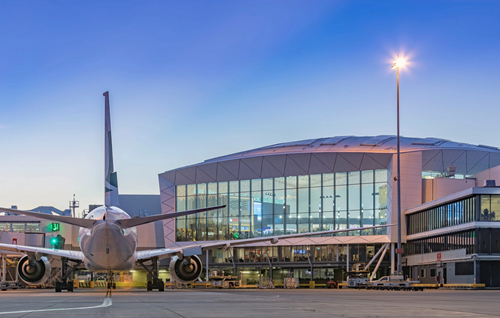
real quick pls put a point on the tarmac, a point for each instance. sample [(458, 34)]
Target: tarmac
[(191, 303)]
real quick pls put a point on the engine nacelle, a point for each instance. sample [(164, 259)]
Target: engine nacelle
[(185, 270), (34, 272)]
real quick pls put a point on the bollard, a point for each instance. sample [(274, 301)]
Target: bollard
[(92, 284), (76, 283), (312, 284)]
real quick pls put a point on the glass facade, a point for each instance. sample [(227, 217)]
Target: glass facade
[(490, 207), (445, 242), (450, 214), (297, 254), (30, 227), (283, 205)]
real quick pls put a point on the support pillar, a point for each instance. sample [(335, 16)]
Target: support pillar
[(206, 278), (348, 257), (4, 268), (393, 269)]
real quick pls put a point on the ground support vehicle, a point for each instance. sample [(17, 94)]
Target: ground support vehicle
[(358, 276), (394, 282), (218, 279)]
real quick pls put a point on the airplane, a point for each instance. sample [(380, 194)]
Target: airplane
[(108, 240)]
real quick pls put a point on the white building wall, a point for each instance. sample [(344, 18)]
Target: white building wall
[(411, 189), (433, 189)]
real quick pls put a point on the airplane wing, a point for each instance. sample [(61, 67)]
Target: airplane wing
[(86, 223), (75, 255), (196, 249), (127, 223)]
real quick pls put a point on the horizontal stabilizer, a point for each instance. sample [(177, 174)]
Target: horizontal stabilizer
[(127, 223), (86, 223)]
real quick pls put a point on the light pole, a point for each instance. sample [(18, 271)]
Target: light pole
[(397, 65)]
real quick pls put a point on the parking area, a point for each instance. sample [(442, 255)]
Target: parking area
[(251, 303)]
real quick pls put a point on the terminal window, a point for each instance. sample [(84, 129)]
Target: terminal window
[(284, 205)]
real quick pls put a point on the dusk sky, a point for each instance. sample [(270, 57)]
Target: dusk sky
[(193, 80)]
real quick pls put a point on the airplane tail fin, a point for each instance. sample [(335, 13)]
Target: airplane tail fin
[(111, 182)]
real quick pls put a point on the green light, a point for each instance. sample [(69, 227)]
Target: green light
[(55, 227), (53, 240)]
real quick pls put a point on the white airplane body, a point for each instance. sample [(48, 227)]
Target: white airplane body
[(108, 238)]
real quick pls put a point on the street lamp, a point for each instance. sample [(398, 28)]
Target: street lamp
[(399, 63)]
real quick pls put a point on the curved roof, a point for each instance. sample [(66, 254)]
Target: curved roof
[(370, 144), (336, 154)]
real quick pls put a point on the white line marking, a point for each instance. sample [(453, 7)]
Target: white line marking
[(106, 303)]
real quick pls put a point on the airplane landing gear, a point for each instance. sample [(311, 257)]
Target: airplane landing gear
[(154, 282), (66, 270)]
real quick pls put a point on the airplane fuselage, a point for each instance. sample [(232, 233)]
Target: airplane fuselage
[(107, 246)]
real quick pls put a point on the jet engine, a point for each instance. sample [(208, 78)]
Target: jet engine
[(185, 270), (33, 272)]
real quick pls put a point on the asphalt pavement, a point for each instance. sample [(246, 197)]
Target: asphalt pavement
[(193, 303)]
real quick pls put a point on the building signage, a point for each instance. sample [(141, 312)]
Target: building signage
[(55, 227), (400, 251), (14, 241), (438, 257)]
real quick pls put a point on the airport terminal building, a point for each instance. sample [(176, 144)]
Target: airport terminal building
[(448, 198)]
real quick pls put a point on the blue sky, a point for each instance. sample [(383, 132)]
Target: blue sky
[(192, 80)]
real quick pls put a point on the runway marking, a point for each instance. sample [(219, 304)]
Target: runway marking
[(106, 303)]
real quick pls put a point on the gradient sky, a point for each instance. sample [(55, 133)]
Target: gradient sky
[(192, 80)]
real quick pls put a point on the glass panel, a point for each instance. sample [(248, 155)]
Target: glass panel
[(354, 220), (340, 178), (328, 179), (327, 221), (5, 227), (354, 177), (291, 182), (381, 176), (223, 199), (191, 202), (328, 199), (303, 181), (191, 189), (244, 185), (303, 200), (495, 207), (485, 208), (180, 234), (256, 208), (354, 197), (380, 203), (367, 196), (303, 219), (315, 180), (315, 200), (279, 183), (268, 184), (191, 228), (212, 188), (367, 176), (268, 197), (341, 198), (234, 204), (180, 190), (212, 217)]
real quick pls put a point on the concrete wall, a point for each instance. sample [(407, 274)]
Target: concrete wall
[(457, 279), (489, 174), (433, 189)]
